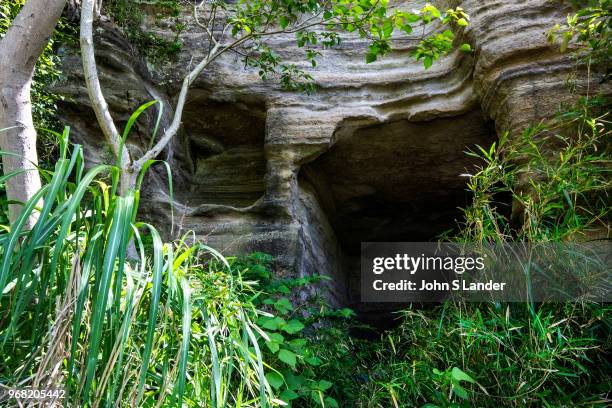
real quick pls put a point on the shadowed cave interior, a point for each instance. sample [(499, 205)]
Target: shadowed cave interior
[(398, 181)]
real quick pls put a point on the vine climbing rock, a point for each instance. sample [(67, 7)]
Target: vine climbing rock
[(377, 153)]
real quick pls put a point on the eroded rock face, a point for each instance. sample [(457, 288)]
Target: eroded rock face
[(375, 154)]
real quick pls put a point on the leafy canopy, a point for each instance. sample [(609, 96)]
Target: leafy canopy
[(320, 24), (591, 28)]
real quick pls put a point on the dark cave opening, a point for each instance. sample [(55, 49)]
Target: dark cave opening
[(393, 182)]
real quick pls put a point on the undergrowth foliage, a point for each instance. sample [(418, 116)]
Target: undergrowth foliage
[(558, 175), (299, 341), (77, 313), (488, 355), (522, 354), (176, 325)]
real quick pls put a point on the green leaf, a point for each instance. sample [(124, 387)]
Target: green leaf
[(412, 17), (427, 62), (276, 337), (460, 392), (331, 402), (346, 312), (298, 343), (270, 323), (287, 357), (432, 10), (295, 382), (407, 28), (283, 289), (272, 346), (288, 395), (459, 375), (462, 22), (283, 305), (466, 48), (313, 361), (284, 22), (293, 326), (325, 385), (184, 354), (387, 29), (275, 379)]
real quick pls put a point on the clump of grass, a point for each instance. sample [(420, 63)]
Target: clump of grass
[(169, 326), (508, 357), (556, 173)]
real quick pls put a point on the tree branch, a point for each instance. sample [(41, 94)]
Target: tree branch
[(94, 89), (178, 111)]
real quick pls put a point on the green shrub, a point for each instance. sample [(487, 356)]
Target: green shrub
[(165, 324), (301, 342), (557, 174)]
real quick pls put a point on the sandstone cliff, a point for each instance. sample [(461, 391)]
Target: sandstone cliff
[(375, 154)]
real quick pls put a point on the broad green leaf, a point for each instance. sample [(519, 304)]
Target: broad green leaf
[(284, 22), (325, 385), (272, 346), (331, 402), (288, 395), (293, 326), (459, 375), (270, 323), (313, 361), (283, 305), (460, 391), (287, 357), (275, 379), (431, 9), (298, 343)]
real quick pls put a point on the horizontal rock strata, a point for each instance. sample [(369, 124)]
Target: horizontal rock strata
[(376, 153)]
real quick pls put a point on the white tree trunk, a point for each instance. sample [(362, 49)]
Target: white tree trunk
[(99, 105), (19, 50)]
